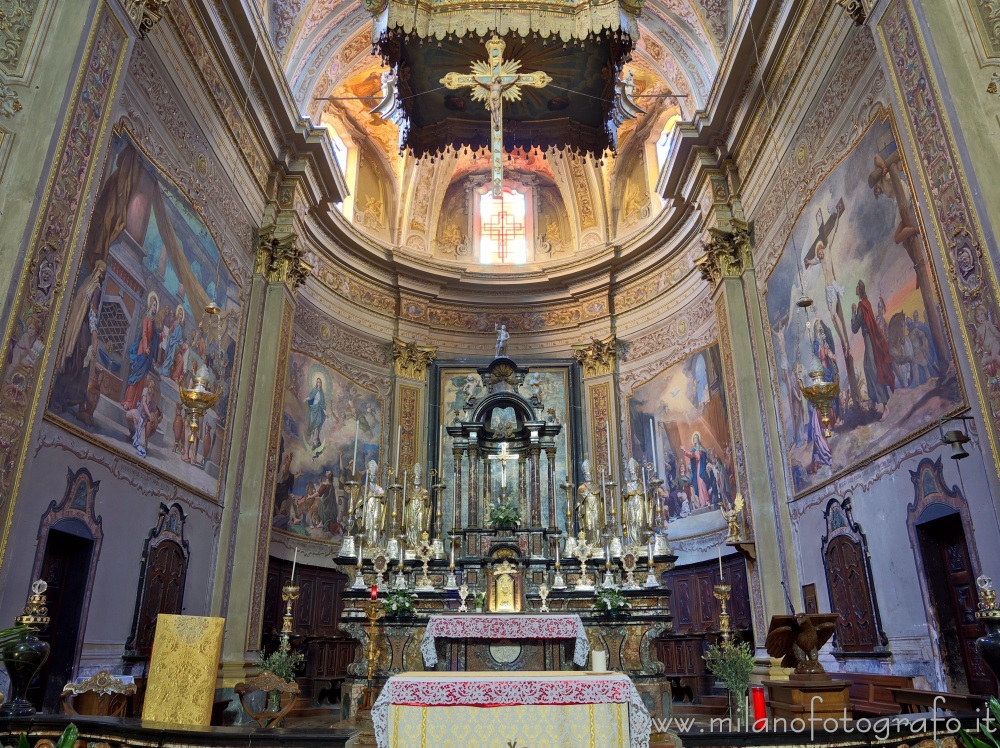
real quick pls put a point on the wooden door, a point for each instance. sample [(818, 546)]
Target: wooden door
[(952, 584), (851, 596), (164, 591)]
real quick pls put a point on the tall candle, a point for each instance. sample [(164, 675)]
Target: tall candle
[(360, 542), (295, 558), (402, 508), (354, 460), (557, 552), (720, 565), (399, 435), (649, 552), (452, 564), (440, 452), (607, 429), (652, 447)]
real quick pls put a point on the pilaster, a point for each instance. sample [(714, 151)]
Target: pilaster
[(410, 362), (728, 265), (250, 480), (599, 360)]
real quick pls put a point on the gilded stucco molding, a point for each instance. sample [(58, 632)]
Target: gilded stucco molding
[(727, 253), (145, 14), (411, 360), (16, 18), (856, 9), (599, 357), (280, 258)]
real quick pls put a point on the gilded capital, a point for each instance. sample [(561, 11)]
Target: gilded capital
[(598, 358), (279, 258), (411, 360), (144, 14), (727, 253), (856, 9)]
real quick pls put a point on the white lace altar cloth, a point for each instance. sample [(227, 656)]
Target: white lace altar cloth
[(487, 690), (513, 626)]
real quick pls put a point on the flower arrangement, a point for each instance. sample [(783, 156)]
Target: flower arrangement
[(732, 665), (478, 600), (281, 663), (505, 516), (399, 603), (612, 603)]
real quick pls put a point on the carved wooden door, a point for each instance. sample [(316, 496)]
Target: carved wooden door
[(846, 573), (164, 591)]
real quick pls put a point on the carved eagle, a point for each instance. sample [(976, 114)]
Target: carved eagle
[(797, 640)]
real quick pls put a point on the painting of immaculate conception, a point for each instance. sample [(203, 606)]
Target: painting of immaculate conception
[(859, 252), (323, 412), (549, 386), (681, 416), (137, 331)]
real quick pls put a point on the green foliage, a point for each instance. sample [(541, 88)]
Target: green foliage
[(69, 736), (399, 603), (281, 663), (12, 635), (478, 599), (505, 516), (612, 602), (732, 665), (23, 741), (989, 738)]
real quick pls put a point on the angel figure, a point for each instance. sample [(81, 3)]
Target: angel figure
[(733, 520)]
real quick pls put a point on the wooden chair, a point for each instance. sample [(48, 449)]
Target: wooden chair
[(100, 695), (268, 682)]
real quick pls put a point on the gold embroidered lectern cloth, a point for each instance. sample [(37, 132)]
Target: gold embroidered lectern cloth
[(482, 710), (505, 627)]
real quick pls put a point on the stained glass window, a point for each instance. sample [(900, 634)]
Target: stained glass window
[(503, 228)]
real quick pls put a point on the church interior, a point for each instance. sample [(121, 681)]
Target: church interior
[(524, 388)]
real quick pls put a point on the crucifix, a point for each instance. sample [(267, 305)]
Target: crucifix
[(503, 458), (493, 81)]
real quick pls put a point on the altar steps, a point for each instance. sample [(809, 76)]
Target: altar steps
[(710, 705)]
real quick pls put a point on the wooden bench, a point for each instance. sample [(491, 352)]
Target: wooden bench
[(913, 700), (871, 693)]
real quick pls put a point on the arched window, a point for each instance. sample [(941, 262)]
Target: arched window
[(503, 226), (849, 581), (663, 142)]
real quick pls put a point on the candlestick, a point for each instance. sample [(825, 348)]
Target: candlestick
[(441, 449), (361, 541), (294, 559), (374, 592), (399, 435), (652, 446), (607, 428), (354, 460), (720, 564)]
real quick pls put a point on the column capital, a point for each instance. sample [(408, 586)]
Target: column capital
[(144, 14), (598, 357), (856, 9), (279, 257), (728, 252), (411, 360)]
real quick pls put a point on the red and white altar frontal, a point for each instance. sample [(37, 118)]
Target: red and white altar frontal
[(498, 627), (537, 709)]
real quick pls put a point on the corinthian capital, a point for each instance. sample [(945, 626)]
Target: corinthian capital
[(280, 259), (144, 14), (597, 358), (411, 360), (727, 253)]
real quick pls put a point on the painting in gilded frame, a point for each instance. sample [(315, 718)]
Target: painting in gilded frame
[(323, 412), (552, 389), (858, 251), (136, 330), (681, 416)]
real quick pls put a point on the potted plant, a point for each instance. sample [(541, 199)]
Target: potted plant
[(733, 665), (399, 604), (989, 739), (478, 601), (283, 664), (612, 603), (505, 515)]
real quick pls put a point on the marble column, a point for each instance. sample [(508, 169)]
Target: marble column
[(245, 531), (550, 461), (728, 265), (475, 496)]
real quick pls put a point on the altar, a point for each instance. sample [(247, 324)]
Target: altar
[(482, 710)]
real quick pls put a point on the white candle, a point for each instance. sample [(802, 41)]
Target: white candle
[(607, 428), (399, 435), (354, 460), (649, 552), (598, 661), (652, 447), (295, 558), (440, 451), (720, 565), (557, 552), (452, 565), (406, 475), (360, 542)]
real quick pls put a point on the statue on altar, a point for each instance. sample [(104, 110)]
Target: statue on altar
[(371, 508), (590, 508), (502, 337), (634, 506), (418, 509)]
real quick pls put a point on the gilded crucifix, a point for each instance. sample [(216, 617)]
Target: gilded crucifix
[(493, 81)]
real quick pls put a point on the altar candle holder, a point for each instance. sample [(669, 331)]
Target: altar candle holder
[(759, 707), (651, 580), (289, 593), (374, 612), (437, 491), (584, 583), (543, 593), (463, 594), (615, 545), (558, 583), (570, 539), (722, 593), (347, 547)]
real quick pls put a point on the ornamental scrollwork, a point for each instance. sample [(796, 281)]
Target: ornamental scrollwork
[(727, 253), (280, 259), (598, 358), (144, 14), (411, 360)]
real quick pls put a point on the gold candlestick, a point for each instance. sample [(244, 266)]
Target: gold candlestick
[(289, 593), (722, 592), (374, 612)]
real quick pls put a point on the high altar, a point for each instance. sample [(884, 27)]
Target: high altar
[(537, 582)]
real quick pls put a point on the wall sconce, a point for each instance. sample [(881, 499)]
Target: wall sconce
[(957, 438)]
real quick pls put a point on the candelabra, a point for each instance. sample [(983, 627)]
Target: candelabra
[(347, 547), (451, 583), (583, 552), (400, 581), (722, 592), (558, 583), (359, 578), (289, 593), (570, 540), (661, 543), (437, 491), (651, 580), (374, 612)]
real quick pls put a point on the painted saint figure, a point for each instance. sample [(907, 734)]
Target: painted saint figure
[(173, 343), (142, 353), (317, 416), (878, 363), (589, 508), (79, 354), (418, 509), (699, 471)]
